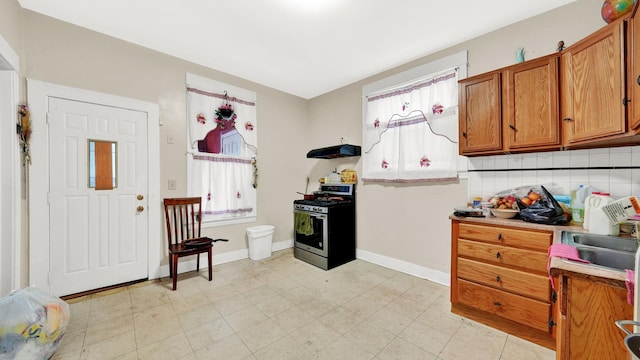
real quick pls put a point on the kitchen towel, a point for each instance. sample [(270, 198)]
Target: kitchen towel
[(302, 223), (563, 251), (631, 284)]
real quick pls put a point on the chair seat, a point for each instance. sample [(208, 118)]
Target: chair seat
[(188, 250)]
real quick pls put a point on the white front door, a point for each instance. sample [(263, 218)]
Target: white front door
[(97, 238)]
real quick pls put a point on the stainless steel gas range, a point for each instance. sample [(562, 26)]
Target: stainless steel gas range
[(325, 228)]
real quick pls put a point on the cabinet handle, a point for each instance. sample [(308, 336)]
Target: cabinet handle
[(498, 278), (625, 101), (499, 236), (551, 323), (567, 119), (464, 134), (497, 303), (638, 80), (498, 255), (554, 296), (512, 127)]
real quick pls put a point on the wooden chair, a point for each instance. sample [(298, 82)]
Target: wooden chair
[(183, 217)]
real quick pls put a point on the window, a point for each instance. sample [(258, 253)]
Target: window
[(222, 150), (103, 169), (410, 124)]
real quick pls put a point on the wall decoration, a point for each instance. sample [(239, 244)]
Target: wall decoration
[(24, 132)]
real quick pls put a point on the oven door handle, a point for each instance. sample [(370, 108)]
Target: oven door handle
[(312, 214), (319, 216)]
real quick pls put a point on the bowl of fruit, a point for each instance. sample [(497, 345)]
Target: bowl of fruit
[(505, 202), (505, 213)]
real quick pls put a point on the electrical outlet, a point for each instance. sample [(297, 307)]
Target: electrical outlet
[(172, 184)]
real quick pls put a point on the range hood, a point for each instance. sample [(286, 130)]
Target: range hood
[(332, 152)]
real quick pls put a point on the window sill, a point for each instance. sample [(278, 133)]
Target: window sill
[(222, 222)]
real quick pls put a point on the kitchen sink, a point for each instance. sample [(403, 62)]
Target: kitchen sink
[(613, 252), (614, 259), (600, 241)]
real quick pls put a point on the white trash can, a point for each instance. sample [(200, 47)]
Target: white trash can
[(260, 241)]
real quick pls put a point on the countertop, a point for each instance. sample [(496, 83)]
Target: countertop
[(558, 266)]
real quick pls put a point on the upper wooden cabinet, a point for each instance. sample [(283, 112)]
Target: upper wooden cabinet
[(633, 79), (530, 105), (515, 108), (480, 122), (593, 95), (587, 95)]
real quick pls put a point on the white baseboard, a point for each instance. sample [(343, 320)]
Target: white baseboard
[(405, 267), (391, 263), (230, 256)]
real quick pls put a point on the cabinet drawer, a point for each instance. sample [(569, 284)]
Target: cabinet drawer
[(519, 282), (498, 254), (529, 312), (534, 240)]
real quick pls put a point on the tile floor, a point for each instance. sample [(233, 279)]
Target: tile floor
[(282, 308)]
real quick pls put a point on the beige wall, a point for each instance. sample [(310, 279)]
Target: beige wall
[(10, 24), (62, 53), (410, 223)]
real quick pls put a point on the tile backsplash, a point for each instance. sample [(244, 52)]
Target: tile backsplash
[(613, 170)]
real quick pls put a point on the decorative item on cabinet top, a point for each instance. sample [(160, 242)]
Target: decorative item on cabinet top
[(614, 9)]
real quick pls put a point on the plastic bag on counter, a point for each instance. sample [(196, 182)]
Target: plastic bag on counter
[(544, 210), (522, 196), (32, 324)]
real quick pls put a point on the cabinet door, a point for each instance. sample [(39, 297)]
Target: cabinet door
[(480, 114), (633, 82), (592, 311), (593, 93), (530, 104)]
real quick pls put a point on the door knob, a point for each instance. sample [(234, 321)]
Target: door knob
[(140, 208), (140, 197)]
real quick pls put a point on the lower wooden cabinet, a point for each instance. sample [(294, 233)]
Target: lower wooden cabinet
[(499, 277), (586, 319)]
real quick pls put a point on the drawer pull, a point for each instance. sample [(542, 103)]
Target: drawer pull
[(500, 237), (497, 304), (498, 255), (498, 278)]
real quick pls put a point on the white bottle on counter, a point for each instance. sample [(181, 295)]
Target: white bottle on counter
[(596, 220)]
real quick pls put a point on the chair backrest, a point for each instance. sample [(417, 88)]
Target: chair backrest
[(182, 216)]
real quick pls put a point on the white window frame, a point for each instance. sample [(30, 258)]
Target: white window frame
[(457, 60), (208, 222)]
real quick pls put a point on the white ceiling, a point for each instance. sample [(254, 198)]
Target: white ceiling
[(302, 47)]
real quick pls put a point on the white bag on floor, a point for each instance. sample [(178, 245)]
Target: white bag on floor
[(32, 324)]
